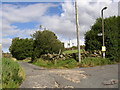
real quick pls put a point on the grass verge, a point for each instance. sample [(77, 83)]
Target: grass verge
[(12, 73), (69, 63), (72, 51), (95, 61)]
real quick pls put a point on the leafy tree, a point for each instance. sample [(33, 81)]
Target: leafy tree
[(46, 42), (21, 48), (94, 42), (42, 42)]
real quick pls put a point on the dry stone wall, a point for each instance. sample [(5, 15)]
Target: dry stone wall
[(72, 55)]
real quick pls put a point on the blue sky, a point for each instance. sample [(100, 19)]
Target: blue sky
[(20, 19), (26, 25), (31, 25)]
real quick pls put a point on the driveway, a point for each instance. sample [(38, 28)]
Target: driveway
[(92, 77)]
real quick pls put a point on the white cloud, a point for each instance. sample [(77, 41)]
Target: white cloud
[(18, 13), (119, 8), (63, 25), (13, 13), (87, 16), (6, 42)]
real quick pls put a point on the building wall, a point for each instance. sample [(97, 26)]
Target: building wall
[(68, 44)]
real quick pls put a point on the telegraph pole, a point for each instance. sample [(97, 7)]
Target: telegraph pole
[(77, 30)]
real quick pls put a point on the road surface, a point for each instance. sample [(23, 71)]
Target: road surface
[(92, 77)]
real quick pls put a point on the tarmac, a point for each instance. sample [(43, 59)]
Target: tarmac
[(92, 77)]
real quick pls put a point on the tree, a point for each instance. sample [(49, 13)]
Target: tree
[(94, 42), (46, 42), (21, 48), (42, 42)]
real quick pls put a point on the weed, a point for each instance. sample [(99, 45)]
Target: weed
[(12, 74), (69, 63), (95, 61)]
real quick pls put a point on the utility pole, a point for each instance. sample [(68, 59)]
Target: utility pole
[(77, 30), (103, 47)]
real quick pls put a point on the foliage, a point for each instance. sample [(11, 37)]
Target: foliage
[(74, 47), (95, 61), (21, 48), (12, 74), (42, 42), (46, 42), (72, 63), (94, 42), (68, 63)]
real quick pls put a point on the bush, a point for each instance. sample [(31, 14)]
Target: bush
[(95, 61), (12, 75), (21, 48)]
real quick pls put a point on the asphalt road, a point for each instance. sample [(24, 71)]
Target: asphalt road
[(92, 77)]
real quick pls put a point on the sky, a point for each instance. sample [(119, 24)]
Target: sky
[(21, 19)]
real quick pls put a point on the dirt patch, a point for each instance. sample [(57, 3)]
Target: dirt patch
[(71, 75)]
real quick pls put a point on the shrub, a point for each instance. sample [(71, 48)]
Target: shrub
[(12, 74), (21, 48)]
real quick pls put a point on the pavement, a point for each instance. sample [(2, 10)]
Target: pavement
[(92, 77)]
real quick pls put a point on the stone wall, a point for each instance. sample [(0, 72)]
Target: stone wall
[(56, 56), (73, 55), (7, 55)]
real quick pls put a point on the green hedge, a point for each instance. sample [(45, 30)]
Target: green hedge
[(12, 73)]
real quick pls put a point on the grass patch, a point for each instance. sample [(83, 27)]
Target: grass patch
[(69, 63), (72, 51), (12, 75), (95, 61)]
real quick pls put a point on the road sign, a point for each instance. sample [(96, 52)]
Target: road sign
[(99, 34), (103, 48)]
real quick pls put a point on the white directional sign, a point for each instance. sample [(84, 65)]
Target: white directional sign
[(99, 34)]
